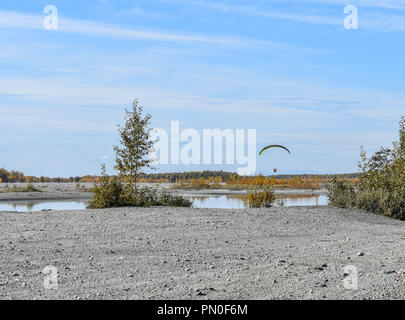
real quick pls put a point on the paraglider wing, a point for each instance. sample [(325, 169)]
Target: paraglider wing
[(273, 146)]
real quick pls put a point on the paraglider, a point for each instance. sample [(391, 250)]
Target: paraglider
[(273, 146)]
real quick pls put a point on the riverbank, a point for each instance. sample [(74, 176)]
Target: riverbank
[(73, 191), (185, 253)]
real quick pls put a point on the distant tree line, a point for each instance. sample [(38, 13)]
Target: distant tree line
[(173, 177), (170, 177), (17, 176), (313, 176)]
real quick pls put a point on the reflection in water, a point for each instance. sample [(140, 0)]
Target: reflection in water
[(305, 200), (240, 201), (232, 201), (21, 206), (219, 201)]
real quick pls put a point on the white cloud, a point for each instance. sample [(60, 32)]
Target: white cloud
[(91, 28), (386, 4), (381, 21), (252, 10), (10, 19), (281, 99)]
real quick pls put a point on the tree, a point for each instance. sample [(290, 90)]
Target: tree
[(381, 186), (4, 175), (131, 157), (402, 137)]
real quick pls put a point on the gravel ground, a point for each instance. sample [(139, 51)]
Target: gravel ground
[(49, 191), (182, 253)]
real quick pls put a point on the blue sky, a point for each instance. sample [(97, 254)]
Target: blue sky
[(287, 68)]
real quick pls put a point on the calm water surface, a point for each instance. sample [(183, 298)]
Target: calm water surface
[(23, 206), (238, 201), (211, 201)]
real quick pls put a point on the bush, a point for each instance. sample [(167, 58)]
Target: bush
[(29, 188), (107, 192), (341, 194), (131, 159), (147, 196), (261, 196), (198, 184), (370, 200), (381, 187), (112, 192)]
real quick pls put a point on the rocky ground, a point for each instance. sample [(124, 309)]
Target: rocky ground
[(49, 191), (183, 253)]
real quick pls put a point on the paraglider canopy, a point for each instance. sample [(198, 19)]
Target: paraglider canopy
[(273, 146)]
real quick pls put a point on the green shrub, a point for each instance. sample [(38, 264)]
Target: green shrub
[(107, 192), (341, 194), (147, 196), (131, 159), (369, 200), (261, 196), (197, 184), (112, 192), (29, 188), (381, 187), (173, 200)]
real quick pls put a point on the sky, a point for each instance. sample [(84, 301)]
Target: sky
[(287, 68)]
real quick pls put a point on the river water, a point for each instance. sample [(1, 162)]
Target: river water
[(209, 201)]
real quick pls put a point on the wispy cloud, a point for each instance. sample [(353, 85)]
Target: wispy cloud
[(381, 21), (10, 19), (68, 87), (387, 4), (91, 28), (384, 23), (283, 100), (254, 10)]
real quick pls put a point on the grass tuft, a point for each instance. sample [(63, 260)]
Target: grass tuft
[(29, 188)]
